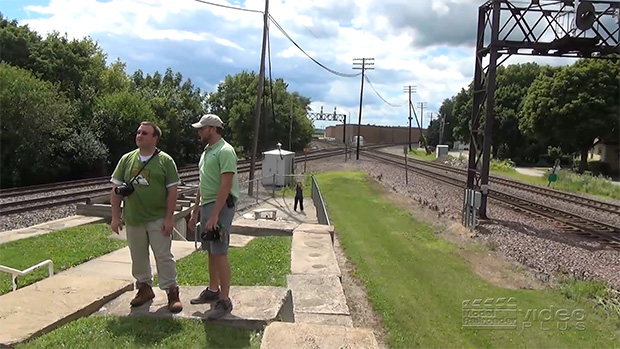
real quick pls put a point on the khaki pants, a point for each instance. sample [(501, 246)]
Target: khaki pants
[(139, 237)]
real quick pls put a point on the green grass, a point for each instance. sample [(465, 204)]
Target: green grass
[(417, 282), (420, 154), (567, 181), (265, 261), (66, 248), (121, 332)]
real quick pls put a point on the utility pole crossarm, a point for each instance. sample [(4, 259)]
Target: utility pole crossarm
[(409, 89), (365, 64)]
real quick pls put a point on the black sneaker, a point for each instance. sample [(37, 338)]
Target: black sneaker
[(206, 296), (222, 307)]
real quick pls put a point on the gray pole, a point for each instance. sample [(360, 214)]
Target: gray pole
[(359, 120), (261, 82), (290, 132)]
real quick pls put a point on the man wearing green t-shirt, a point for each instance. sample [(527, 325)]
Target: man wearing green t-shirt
[(217, 195), (148, 213)]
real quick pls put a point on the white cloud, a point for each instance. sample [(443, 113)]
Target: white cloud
[(402, 36)]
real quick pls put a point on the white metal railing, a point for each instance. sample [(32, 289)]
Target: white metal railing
[(15, 273)]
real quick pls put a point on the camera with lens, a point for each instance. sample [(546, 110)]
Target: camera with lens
[(211, 235), (124, 189)]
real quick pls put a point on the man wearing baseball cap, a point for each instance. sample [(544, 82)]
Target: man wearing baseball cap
[(217, 195)]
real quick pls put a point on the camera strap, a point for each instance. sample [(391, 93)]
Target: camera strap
[(146, 163)]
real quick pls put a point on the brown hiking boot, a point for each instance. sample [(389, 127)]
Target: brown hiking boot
[(174, 303), (145, 294)]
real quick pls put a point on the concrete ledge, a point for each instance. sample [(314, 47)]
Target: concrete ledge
[(117, 265), (324, 319), (317, 229), (237, 240), (253, 306), (313, 254), (288, 335), (53, 302), (317, 294), (253, 227), (48, 227)]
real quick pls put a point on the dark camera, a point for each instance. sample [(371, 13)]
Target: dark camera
[(124, 189), (211, 235)]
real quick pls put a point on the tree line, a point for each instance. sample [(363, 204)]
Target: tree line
[(543, 112), (67, 114)]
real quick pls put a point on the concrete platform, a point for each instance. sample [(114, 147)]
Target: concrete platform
[(284, 206), (253, 227), (253, 306), (117, 265), (324, 319), (316, 228), (315, 294), (313, 254), (47, 227), (71, 294), (237, 240), (52, 302), (289, 335)]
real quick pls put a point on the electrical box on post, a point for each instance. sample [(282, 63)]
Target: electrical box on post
[(280, 163)]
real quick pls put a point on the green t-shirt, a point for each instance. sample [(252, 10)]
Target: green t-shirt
[(148, 201), (217, 159)]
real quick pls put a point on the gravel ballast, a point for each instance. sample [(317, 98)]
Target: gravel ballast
[(523, 238)]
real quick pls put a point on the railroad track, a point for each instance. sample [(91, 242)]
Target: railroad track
[(188, 174), (548, 192), (606, 233), (80, 183)]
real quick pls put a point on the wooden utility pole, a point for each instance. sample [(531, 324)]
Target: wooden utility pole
[(259, 95), (363, 66), (290, 132), (410, 89)]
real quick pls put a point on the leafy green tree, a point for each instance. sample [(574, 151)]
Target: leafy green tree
[(39, 142), (462, 110), (235, 100), (575, 105), (116, 119), (513, 83), (177, 104), (17, 43)]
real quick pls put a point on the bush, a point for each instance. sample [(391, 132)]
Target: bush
[(586, 183), (505, 165), (599, 168)]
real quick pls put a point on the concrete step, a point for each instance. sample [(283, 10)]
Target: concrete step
[(313, 254), (71, 294), (253, 227), (316, 294), (53, 302), (317, 229), (296, 335), (117, 265), (324, 319), (48, 227), (253, 306)]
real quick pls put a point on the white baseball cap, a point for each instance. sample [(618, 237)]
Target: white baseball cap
[(209, 120)]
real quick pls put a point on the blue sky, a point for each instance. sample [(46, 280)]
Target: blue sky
[(424, 43)]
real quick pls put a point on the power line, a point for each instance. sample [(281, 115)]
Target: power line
[(230, 7), (304, 52), (383, 99)]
